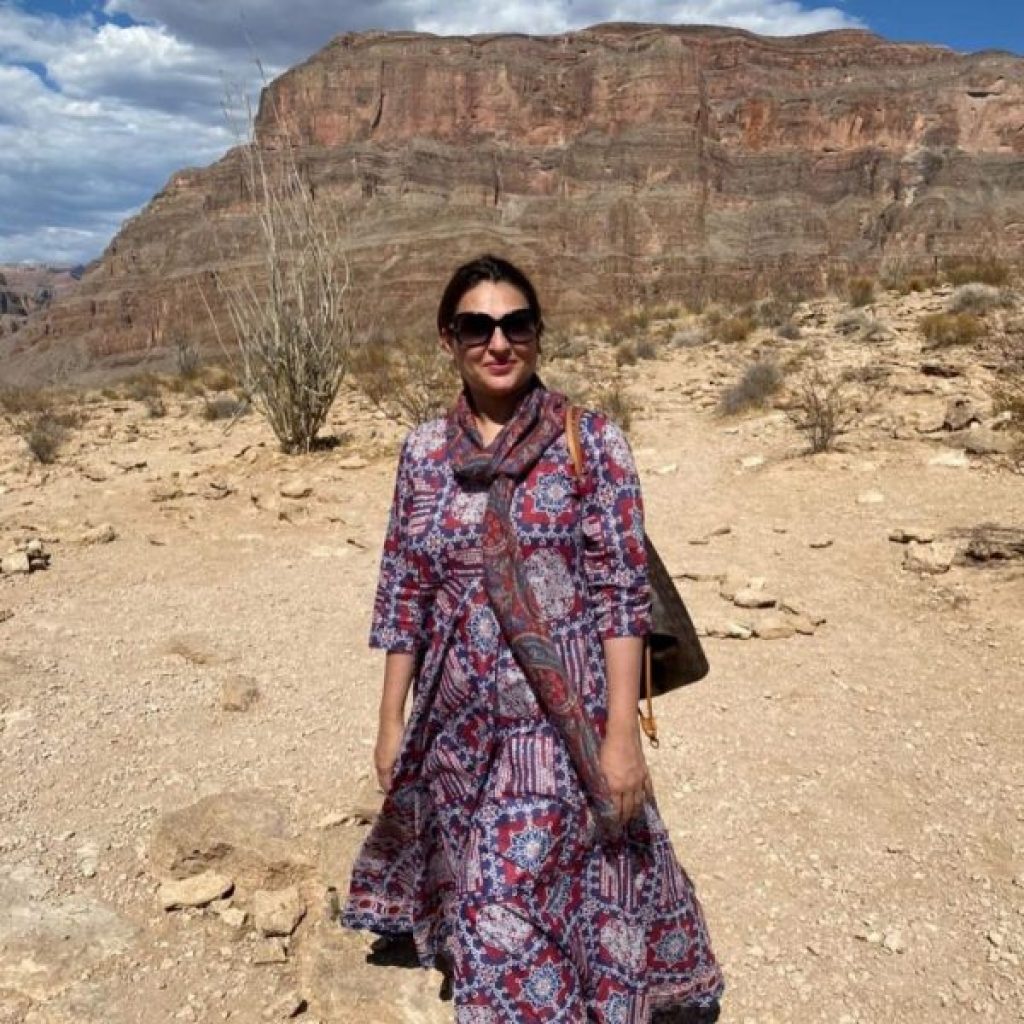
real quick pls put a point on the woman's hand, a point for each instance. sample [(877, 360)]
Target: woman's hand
[(385, 752), (625, 771)]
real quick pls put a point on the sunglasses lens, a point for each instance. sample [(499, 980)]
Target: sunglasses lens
[(473, 329), (519, 327)]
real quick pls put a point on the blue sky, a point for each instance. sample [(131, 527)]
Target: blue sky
[(101, 100)]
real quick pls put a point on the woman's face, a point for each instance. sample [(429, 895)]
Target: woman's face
[(498, 369)]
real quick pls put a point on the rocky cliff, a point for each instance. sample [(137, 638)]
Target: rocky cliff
[(622, 164)]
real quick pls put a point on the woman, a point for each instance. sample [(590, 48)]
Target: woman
[(519, 843)]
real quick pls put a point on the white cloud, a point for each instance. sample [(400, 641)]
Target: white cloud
[(124, 105), (72, 169), (278, 30)]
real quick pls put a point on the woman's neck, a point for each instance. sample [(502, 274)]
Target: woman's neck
[(493, 412)]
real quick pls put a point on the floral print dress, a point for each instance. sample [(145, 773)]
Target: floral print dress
[(486, 850)]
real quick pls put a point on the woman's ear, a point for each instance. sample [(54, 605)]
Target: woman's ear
[(444, 339)]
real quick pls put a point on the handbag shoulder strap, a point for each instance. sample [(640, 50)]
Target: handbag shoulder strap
[(649, 724)]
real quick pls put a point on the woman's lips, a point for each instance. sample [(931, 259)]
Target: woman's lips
[(500, 369)]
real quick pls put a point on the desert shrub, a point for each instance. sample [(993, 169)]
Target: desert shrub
[(224, 407), (978, 298), (626, 354), (187, 359), (140, 387), (774, 311), (36, 417), (689, 337), (155, 407), (713, 316), (44, 436), (822, 408), (612, 399), (291, 298), (218, 377), (942, 330), (735, 329), (760, 380), (407, 378), (637, 320), (988, 270), (25, 401), (646, 349), (789, 330), (915, 283), (860, 291)]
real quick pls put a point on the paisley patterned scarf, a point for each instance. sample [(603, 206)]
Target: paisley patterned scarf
[(538, 421)]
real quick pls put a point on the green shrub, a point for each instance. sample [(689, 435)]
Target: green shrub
[(942, 330), (759, 382)]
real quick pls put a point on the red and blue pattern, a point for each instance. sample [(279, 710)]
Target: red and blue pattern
[(487, 849)]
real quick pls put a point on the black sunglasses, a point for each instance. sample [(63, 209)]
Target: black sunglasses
[(472, 330)]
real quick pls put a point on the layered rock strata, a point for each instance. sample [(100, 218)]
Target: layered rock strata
[(621, 164)]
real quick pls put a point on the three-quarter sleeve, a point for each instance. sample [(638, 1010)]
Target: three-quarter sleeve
[(397, 622), (615, 557)]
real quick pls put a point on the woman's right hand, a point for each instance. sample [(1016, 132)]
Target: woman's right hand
[(385, 752)]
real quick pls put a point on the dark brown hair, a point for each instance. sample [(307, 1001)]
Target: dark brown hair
[(485, 268)]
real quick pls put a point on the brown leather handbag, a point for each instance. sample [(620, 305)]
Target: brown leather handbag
[(673, 655)]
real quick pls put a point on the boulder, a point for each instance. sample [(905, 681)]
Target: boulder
[(277, 912), (195, 891), (243, 834)]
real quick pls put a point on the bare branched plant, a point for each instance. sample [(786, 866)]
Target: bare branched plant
[(292, 309), (822, 408)]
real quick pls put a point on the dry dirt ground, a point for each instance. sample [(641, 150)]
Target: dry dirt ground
[(850, 803)]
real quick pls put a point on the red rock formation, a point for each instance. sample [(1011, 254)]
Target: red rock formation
[(622, 163)]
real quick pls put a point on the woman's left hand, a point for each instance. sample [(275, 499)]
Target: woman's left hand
[(625, 771)]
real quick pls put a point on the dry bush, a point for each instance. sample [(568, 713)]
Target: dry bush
[(291, 306), (689, 337), (562, 346), (626, 354), (33, 415), (979, 298), (1008, 394), (774, 311), (860, 291), (904, 282), (187, 358), (760, 380), (789, 330), (614, 401), (735, 329), (155, 407), (646, 349), (943, 330), (987, 270), (409, 379), (140, 387), (822, 407), (224, 407)]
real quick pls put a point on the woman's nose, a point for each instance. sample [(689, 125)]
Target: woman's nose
[(498, 340)]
